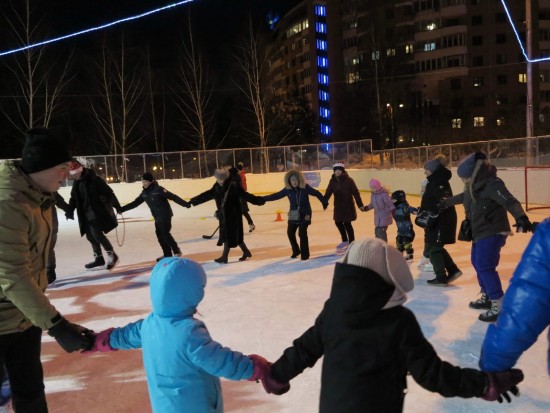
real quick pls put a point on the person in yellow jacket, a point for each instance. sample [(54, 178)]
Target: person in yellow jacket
[(26, 189)]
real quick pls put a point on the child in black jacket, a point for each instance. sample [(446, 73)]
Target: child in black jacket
[(157, 198), (370, 342)]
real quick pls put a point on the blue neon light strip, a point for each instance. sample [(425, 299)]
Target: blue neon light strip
[(542, 59), (92, 29)]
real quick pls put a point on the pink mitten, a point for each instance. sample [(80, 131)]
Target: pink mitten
[(101, 342), (261, 366)]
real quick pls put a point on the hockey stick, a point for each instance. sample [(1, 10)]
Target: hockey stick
[(210, 236)]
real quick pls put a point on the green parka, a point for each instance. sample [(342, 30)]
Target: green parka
[(26, 222)]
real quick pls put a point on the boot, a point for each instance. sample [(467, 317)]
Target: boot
[(97, 262), (246, 252), (177, 253), (225, 254), (482, 303), (492, 314), (50, 273), (438, 281), (454, 274), (295, 254), (112, 259)]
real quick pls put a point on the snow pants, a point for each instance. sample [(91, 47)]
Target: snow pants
[(485, 257)]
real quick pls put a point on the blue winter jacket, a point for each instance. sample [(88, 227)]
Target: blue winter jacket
[(526, 307), (181, 360)]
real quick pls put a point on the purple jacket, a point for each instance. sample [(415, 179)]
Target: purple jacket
[(383, 208)]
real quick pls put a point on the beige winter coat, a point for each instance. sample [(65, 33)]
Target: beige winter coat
[(26, 225)]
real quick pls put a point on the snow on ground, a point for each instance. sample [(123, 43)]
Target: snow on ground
[(258, 306)]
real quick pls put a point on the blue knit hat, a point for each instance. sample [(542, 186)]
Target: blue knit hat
[(467, 165)]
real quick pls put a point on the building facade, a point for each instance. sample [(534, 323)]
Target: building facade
[(416, 72)]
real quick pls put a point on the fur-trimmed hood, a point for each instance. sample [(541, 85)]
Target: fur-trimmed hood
[(300, 176)]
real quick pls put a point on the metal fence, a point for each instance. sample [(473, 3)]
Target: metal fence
[(518, 152)]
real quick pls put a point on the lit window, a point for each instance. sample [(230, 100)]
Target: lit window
[(522, 78), (321, 27), (501, 121), (431, 26), (479, 121), (456, 123), (321, 44), (324, 113), (390, 52), (323, 96), (409, 48), (325, 129), (320, 10), (428, 47), (376, 55), (323, 79), (355, 61), (352, 77), (478, 81), (322, 61)]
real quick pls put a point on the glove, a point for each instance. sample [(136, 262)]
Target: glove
[(272, 386), (69, 215), (523, 224), (499, 384), (261, 366), (364, 208), (71, 337), (325, 206), (261, 201), (102, 342), (188, 205), (442, 205)]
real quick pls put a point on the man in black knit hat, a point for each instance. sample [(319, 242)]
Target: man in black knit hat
[(26, 189)]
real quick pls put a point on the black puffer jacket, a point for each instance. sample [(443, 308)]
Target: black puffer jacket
[(156, 198), (93, 200), (368, 351), (437, 189), (486, 201)]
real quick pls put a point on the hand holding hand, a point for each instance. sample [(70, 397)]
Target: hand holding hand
[(364, 208), (102, 342), (69, 215), (502, 382), (272, 386), (71, 337), (442, 205), (523, 224), (261, 366), (325, 206), (261, 201)]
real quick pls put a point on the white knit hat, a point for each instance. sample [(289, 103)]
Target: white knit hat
[(386, 261)]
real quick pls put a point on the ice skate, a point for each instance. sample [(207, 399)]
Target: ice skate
[(482, 303), (454, 275), (177, 253), (343, 246), (491, 315), (423, 261), (438, 282), (97, 262), (112, 259), (251, 227), (409, 258)]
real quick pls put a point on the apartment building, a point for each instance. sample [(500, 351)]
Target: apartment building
[(415, 72)]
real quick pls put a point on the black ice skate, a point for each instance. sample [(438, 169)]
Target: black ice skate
[(97, 262)]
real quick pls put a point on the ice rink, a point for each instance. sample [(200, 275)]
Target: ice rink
[(258, 306)]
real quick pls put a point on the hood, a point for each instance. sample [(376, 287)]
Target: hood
[(177, 287), (440, 176), (14, 183), (483, 171), (357, 293), (300, 176)]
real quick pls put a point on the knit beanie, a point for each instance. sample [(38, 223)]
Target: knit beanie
[(240, 166), (436, 163), (387, 262), (75, 167), (147, 176), (375, 184), (467, 165), (42, 151), (338, 165)]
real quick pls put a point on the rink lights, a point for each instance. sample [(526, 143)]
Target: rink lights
[(541, 59), (93, 29)]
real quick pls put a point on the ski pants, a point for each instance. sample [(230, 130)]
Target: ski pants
[(485, 258)]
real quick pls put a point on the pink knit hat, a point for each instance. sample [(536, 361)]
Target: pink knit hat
[(375, 184)]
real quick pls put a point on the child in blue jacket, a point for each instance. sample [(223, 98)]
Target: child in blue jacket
[(182, 362)]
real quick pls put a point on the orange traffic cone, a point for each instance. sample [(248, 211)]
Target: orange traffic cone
[(278, 219)]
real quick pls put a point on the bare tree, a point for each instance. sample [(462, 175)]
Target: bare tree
[(252, 59), (194, 94), (39, 82), (120, 106), (158, 133)]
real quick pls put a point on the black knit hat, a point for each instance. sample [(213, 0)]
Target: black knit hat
[(42, 151), (147, 176)]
